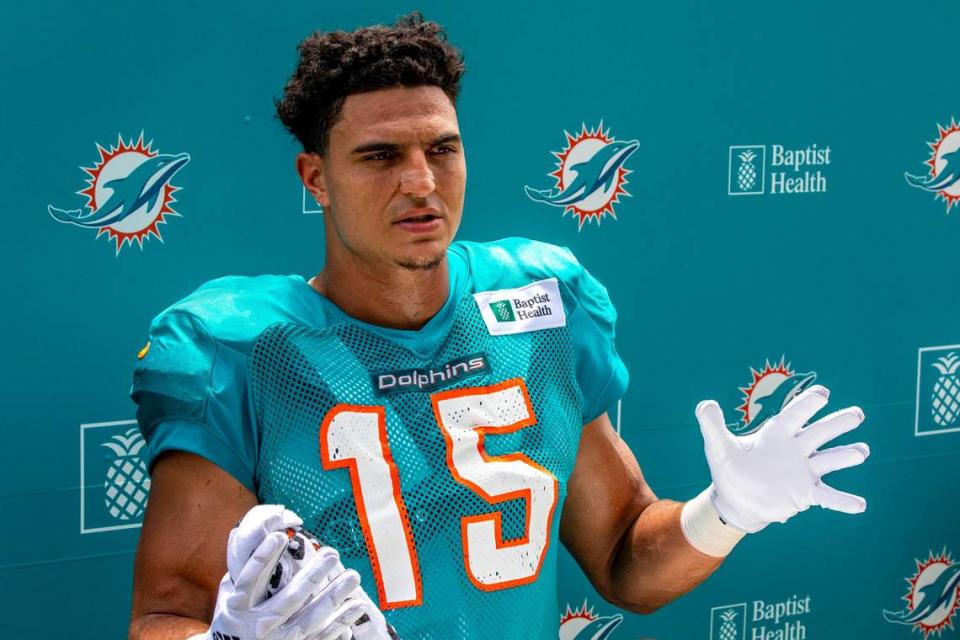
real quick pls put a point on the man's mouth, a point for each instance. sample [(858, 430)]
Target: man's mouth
[(424, 218), (420, 222), (422, 214)]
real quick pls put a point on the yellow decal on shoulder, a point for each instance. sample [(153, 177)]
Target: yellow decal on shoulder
[(143, 352)]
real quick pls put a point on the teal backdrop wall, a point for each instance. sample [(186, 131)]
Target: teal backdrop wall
[(735, 268)]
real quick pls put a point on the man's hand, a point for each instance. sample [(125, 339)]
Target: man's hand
[(311, 604), (775, 472), (283, 585)]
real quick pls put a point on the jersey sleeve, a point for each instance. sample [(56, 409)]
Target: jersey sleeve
[(191, 394), (601, 374)]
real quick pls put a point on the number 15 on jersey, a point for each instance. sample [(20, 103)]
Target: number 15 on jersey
[(354, 437)]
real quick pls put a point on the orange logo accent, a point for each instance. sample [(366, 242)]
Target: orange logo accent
[(143, 352)]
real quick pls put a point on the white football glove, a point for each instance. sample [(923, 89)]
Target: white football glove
[(367, 623), (775, 472), (318, 602)]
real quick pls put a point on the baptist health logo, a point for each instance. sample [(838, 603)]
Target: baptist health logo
[(781, 620), (728, 622), (791, 170), (534, 306), (938, 390), (503, 311), (114, 484)]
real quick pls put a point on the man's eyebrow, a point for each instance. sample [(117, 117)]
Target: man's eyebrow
[(390, 146), (450, 137)]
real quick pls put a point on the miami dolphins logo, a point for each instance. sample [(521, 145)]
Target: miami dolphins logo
[(128, 193), (590, 175), (932, 597), (772, 388), (943, 178), (583, 624)]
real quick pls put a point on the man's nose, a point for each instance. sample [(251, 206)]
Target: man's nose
[(417, 181)]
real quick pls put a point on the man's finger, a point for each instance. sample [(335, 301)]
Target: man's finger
[(336, 631), (837, 458), (256, 572), (829, 498), (340, 620), (712, 426), (799, 410), (830, 427), (305, 583), (331, 605), (253, 529), (864, 447)]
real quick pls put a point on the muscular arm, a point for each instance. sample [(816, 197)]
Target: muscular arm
[(628, 542), (181, 556)]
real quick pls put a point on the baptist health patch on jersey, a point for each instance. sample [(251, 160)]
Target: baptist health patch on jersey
[(536, 306)]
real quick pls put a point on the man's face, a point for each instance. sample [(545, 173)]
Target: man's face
[(381, 137)]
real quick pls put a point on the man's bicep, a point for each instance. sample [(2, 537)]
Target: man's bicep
[(605, 495), (181, 556)]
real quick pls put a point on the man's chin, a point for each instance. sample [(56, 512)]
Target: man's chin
[(423, 262)]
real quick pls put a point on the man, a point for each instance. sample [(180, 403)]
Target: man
[(433, 410)]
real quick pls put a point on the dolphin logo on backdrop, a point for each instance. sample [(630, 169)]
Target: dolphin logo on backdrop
[(932, 597), (590, 175), (128, 193), (771, 390), (943, 177), (584, 624)]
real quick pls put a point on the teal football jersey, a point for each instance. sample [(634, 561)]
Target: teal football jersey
[(436, 461)]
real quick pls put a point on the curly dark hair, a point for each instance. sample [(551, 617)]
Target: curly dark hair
[(410, 53)]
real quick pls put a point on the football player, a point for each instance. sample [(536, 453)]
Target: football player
[(431, 410)]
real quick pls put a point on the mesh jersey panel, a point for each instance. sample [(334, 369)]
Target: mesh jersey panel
[(298, 374)]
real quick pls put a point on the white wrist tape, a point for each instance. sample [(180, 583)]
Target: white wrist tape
[(704, 529)]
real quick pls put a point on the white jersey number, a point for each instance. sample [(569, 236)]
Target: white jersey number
[(354, 437), (466, 416)]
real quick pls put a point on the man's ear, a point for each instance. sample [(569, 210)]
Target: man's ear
[(313, 174)]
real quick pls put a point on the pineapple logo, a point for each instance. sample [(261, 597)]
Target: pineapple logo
[(727, 622), (126, 484), (747, 173), (502, 311), (747, 170), (728, 625), (946, 391), (938, 378), (113, 477)]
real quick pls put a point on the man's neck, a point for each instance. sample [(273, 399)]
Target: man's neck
[(398, 298)]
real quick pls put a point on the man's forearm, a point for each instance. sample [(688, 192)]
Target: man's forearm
[(654, 563), (165, 626)]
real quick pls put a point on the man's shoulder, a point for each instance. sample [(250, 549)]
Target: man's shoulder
[(515, 261), (235, 309)]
